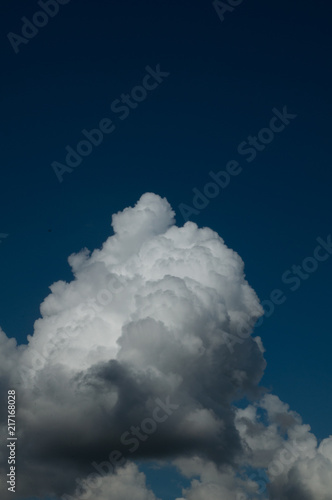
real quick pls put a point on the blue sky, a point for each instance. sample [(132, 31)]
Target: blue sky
[(225, 79)]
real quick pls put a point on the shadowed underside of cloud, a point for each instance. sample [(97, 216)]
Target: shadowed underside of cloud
[(130, 357)]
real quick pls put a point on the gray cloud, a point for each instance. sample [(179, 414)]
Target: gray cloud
[(106, 361)]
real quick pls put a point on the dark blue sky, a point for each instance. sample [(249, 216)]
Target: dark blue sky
[(224, 80)]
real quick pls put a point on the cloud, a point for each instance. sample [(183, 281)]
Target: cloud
[(214, 483), (297, 467), (126, 482), (129, 361)]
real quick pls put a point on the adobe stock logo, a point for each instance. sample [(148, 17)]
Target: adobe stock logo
[(293, 276), (149, 425), (122, 107), (248, 148), (29, 30)]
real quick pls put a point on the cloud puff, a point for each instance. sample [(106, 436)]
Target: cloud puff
[(131, 360), (126, 482), (215, 483), (276, 438)]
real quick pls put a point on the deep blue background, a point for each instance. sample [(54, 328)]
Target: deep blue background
[(225, 78)]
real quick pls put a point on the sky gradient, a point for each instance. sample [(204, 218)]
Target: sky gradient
[(180, 94)]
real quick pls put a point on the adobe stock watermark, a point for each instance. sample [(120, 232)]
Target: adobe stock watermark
[(248, 148), (92, 307), (122, 107), (3, 236), (30, 28), (131, 438), (288, 453), (293, 278), (222, 7)]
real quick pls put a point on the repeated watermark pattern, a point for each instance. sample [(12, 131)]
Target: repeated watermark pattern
[(73, 156), (222, 8), (288, 453), (40, 18), (122, 107), (3, 236), (132, 438), (248, 148), (91, 308), (293, 278)]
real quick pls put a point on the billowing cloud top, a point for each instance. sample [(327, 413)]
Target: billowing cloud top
[(132, 359)]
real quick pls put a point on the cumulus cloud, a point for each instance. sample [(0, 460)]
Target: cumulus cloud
[(215, 483), (126, 482), (131, 360), (276, 438)]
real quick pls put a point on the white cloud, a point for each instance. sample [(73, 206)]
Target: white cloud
[(126, 483), (145, 317), (297, 467), (213, 483)]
